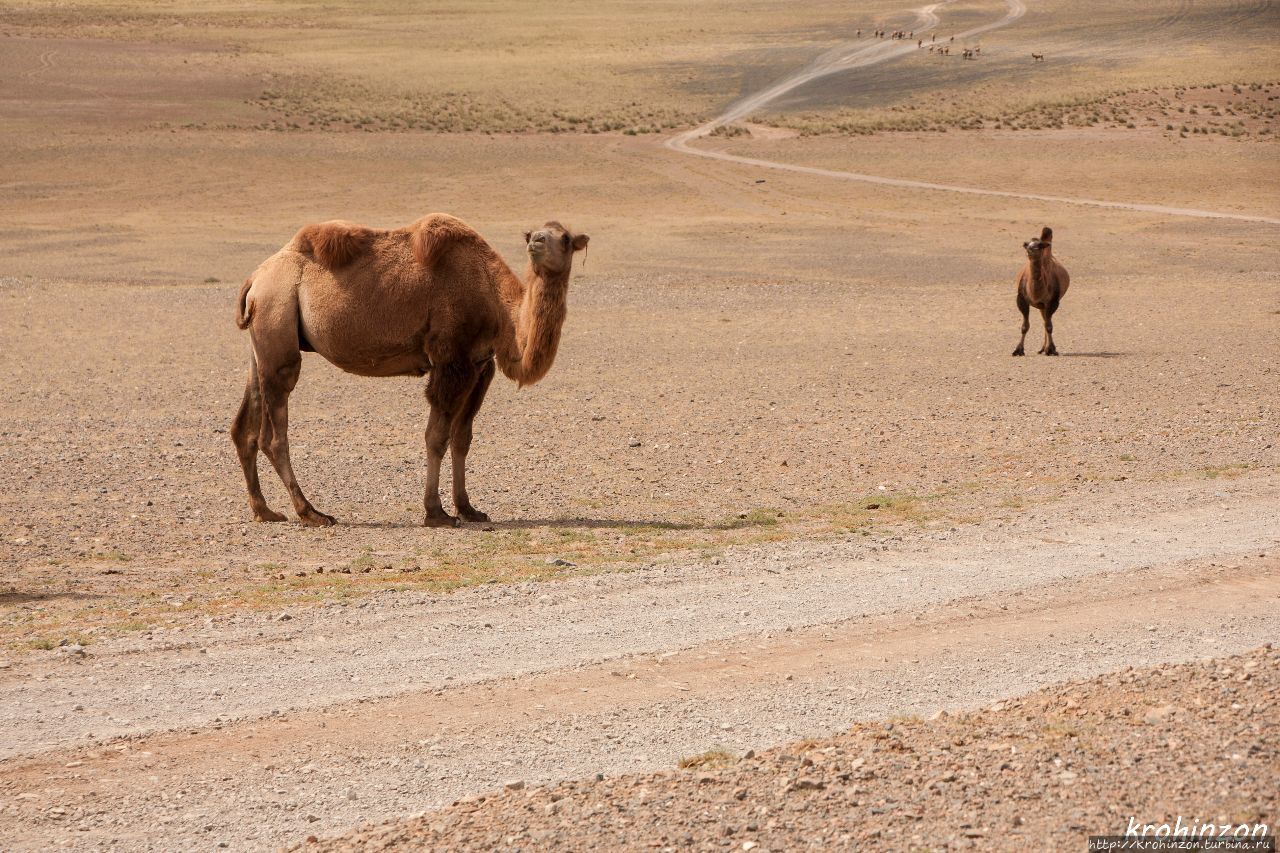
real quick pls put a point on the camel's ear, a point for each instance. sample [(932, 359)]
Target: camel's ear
[(527, 235), (580, 242), (1046, 234), (1026, 243)]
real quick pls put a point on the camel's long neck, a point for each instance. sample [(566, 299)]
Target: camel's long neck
[(1040, 267), (538, 306)]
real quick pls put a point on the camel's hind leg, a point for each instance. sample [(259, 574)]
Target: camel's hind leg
[(276, 385), (244, 434), (448, 390), (1025, 307), (460, 444), (279, 360)]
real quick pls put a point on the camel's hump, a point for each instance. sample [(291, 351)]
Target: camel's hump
[(434, 233), (334, 244)]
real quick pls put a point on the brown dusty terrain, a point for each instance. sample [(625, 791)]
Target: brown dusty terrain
[(1040, 771), (784, 474)]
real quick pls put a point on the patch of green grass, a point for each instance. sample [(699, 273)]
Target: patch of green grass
[(869, 511), (760, 517)]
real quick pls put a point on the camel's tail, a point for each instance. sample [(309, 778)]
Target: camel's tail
[(244, 311)]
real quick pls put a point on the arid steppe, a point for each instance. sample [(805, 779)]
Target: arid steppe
[(783, 478)]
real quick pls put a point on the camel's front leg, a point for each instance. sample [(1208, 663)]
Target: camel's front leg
[(1025, 308), (437, 438), (448, 390), (1047, 313), (460, 445)]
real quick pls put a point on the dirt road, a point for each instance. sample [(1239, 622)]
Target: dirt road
[(261, 730)]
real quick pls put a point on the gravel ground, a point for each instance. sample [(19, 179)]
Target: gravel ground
[(1041, 771)]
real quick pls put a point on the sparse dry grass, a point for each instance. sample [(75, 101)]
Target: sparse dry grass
[(712, 759), (496, 66), (471, 559), (1248, 109)]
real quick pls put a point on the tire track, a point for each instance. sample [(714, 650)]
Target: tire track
[(46, 64), (843, 59)]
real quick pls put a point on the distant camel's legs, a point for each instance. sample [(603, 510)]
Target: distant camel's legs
[(244, 434), (448, 389), (460, 444), (1025, 307), (1047, 313), (276, 385)]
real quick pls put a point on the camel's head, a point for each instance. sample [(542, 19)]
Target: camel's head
[(1036, 247), (551, 248)]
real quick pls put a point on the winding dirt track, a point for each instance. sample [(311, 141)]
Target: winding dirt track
[(848, 57)]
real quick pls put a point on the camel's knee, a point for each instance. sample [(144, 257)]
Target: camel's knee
[(437, 442), (460, 440)]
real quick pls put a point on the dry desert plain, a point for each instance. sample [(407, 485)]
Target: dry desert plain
[(783, 479)]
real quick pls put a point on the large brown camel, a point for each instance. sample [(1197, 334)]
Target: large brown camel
[(431, 298), (1041, 284)]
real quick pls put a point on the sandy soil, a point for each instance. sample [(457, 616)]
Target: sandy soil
[(784, 440)]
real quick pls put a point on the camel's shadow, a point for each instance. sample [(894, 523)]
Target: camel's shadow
[(532, 523), (29, 597), (1095, 354)]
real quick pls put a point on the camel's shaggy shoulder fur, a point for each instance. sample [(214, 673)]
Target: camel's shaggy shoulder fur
[(334, 244)]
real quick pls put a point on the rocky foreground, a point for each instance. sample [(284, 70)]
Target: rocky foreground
[(1044, 771)]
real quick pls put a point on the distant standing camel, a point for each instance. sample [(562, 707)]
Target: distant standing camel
[(431, 298), (1041, 284), (1038, 57)]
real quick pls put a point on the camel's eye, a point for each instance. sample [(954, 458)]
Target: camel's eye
[(564, 240)]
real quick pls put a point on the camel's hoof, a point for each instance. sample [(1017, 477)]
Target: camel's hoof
[(1051, 351), (1018, 351), (315, 518), (473, 515), (441, 520), (269, 515)]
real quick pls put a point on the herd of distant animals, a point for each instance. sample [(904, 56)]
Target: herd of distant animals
[(434, 299), (940, 50)]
